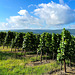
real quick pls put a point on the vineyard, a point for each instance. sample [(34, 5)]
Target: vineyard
[(40, 54)]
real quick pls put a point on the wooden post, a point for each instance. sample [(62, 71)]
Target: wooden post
[(15, 49), (70, 63), (36, 56), (64, 66), (60, 65), (41, 57), (46, 56), (3, 45), (24, 52)]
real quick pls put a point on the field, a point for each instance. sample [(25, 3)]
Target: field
[(15, 63)]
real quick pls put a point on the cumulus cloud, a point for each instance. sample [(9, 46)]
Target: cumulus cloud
[(32, 5), (23, 12), (50, 15), (55, 14), (3, 26), (24, 20)]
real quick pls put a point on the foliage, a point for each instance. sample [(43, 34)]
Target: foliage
[(10, 35), (2, 37), (18, 41), (29, 42), (63, 50)]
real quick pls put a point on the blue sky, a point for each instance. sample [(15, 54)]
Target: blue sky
[(37, 14)]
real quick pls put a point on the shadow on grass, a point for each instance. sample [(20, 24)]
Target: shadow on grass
[(70, 73), (6, 55)]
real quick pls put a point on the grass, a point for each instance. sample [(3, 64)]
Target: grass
[(12, 65), (17, 67)]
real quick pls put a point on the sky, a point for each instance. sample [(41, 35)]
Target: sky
[(37, 14)]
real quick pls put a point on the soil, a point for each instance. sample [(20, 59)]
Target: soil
[(38, 63), (70, 71)]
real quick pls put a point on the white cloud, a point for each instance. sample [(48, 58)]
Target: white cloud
[(23, 12), (32, 5), (55, 14), (3, 26), (24, 20), (49, 15)]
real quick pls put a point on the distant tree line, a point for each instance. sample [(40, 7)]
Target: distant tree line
[(57, 46)]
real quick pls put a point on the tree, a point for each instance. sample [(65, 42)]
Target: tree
[(48, 45), (2, 37), (71, 49), (64, 47), (41, 46), (29, 42), (12, 41), (37, 42), (18, 41), (58, 39), (10, 35), (54, 46)]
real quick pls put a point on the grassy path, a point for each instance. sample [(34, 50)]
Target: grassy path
[(10, 64), (69, 72)]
